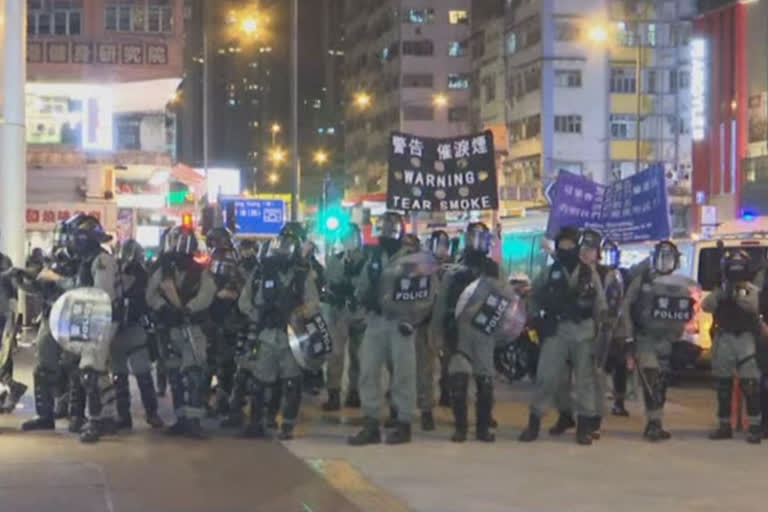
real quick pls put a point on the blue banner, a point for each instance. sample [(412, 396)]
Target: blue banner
[(634, 209), (257, 216)]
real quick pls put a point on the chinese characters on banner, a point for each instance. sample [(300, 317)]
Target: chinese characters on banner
[(442, 175), (42, 217), (631, 210)]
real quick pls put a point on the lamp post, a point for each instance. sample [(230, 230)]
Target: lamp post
[(13, 149), (296, 165)]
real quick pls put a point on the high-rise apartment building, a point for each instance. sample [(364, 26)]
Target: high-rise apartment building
[(599, 88), (408, 67)]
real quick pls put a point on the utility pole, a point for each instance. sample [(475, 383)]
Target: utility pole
[(13, 147), (295, 164)]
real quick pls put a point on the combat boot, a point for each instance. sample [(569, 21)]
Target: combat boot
[(654, 432), (286, 432), (234, 420), (334, 401), (91, 433), (400, 435), (392, 420), (483, 407), (76, 424), (459, 388), (445, 393), (255, 428), (194, 430), (531, 433), (755, 434), (597, 423), (584, 431), (353, 399), (178, 428), (123, 401), (564, 423), (149, 399), (16, 391), (370, 434), (427, 421), (43, 403), (724, 431), (618, 408)]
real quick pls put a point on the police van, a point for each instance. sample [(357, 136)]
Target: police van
[(700, 261)]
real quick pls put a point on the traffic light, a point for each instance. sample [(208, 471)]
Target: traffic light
[(333, 222)]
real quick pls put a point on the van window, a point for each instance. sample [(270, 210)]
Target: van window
[(709, 265)]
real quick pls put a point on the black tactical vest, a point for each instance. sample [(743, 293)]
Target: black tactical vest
[(733, 319)]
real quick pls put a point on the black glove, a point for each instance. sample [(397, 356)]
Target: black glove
[(405, 329)]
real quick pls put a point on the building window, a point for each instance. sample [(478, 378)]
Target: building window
[(623, 126), (568, 124), (423, 48), (532, 79), (650, 86), (418, 113), (56, 17), (526, 128), (458, 49), (685, 79), (138, 16), (673, 80), (458, 80), (421, 80), (623, 80), (566, 31), (457, 17), (159, 16), (489, 88), (568, 78), (420, 16), (458, 114)]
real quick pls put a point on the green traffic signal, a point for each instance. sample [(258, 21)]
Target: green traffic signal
[(333, 222)]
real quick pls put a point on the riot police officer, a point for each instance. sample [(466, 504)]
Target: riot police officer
[(11, 390), (735, 307), (344, 315), (130, 349), (470, 354), (248, 251), (657, 307), (566, 302), (397, 291), (271, 299), (441, 246), (85, 264), (225, 322), (616, 280), (181, 290)]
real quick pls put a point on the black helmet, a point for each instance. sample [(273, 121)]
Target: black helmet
[(82, 235), (440, 243), (248, 248), (567, 233), (390, 225), (130, 251), (610, 254), (665, 258), (288, 243), (181, 241), (219, 238), (477, 238), (737, 265), (224, 264), (590, 239), (412, 242), (351, 238)]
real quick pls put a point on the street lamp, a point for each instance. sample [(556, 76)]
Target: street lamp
[(273, 178), (275, 129), (440, 100), (249, 26), (321, 157), (597, 34), (362, 100), (277, 156)]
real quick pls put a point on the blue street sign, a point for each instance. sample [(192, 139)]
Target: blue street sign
[(256, 216)]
